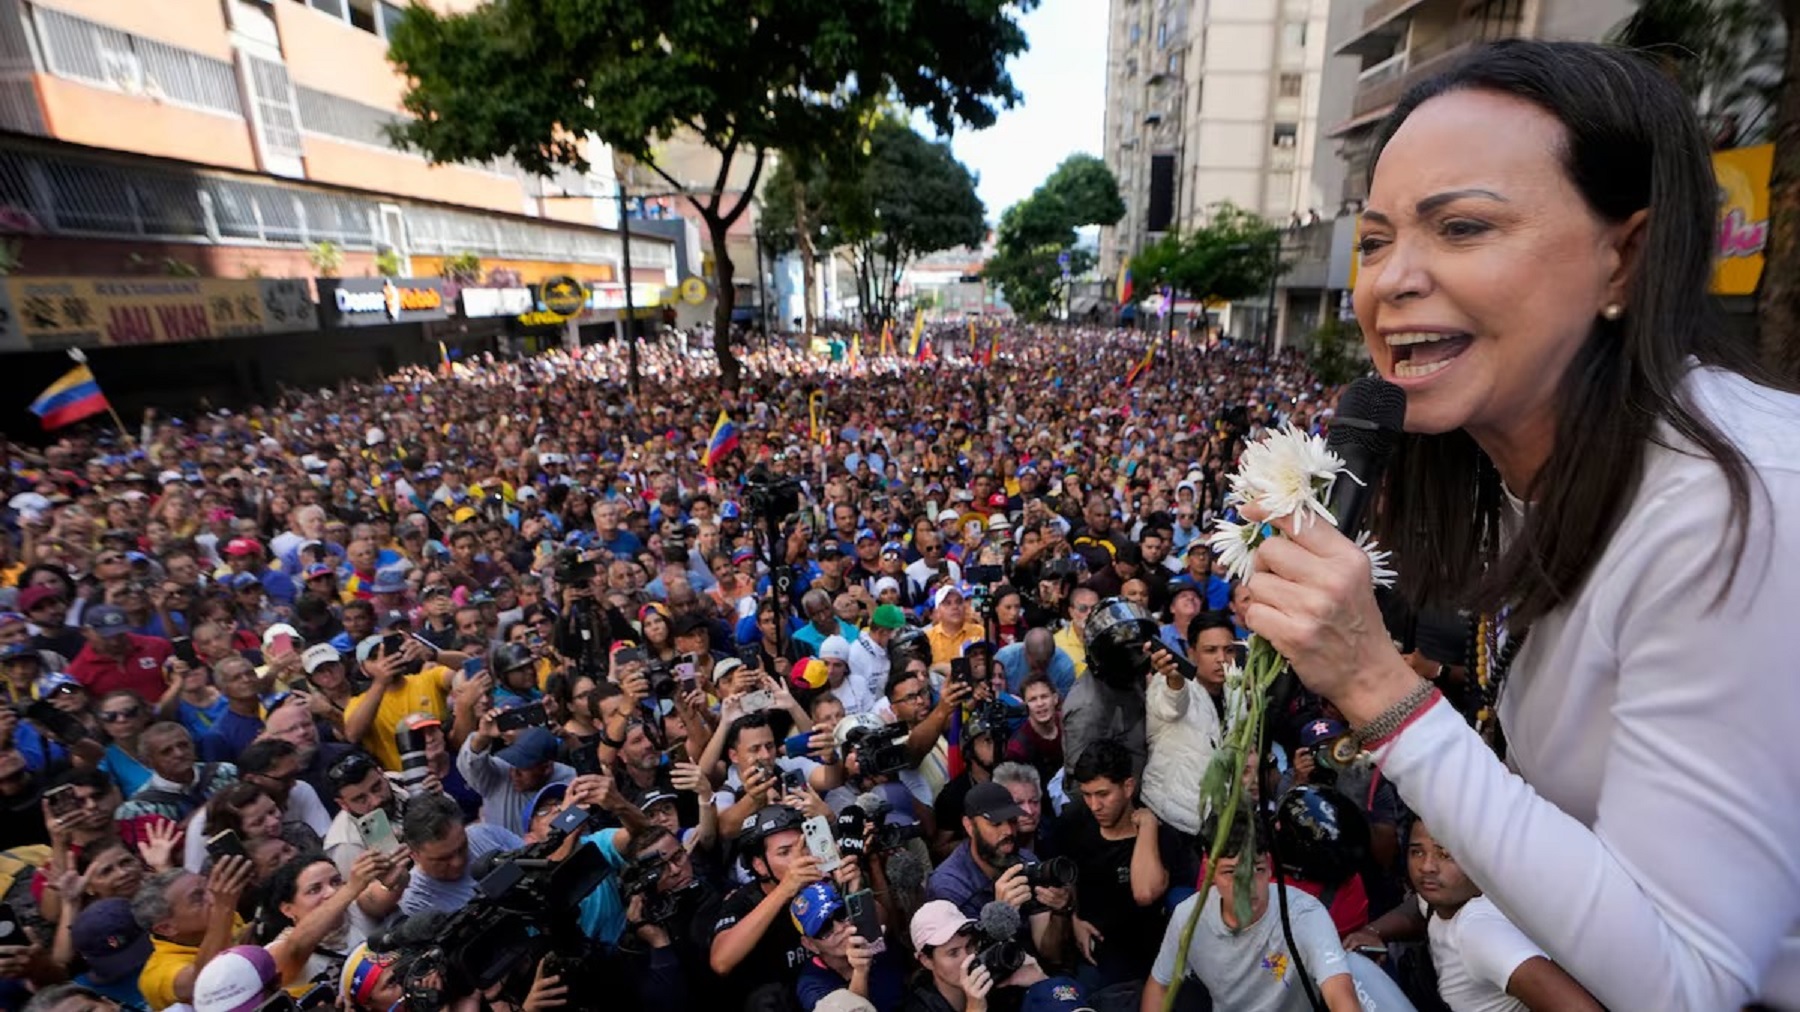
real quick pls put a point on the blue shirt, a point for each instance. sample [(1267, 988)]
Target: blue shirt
[(961, 881), (887, 985), (125, 770), (810, 637), (623, 543), (602, 913), (1011, 659), (199, 722), (278, 585), (231, 733)]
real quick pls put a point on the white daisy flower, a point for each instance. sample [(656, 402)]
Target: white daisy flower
[(1287, 473), (1380, 559), (1237, 701), (1234, 544)]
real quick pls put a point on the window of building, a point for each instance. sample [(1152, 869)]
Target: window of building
[(1131, 67), (1162, 35), (1174, 63), (390, 16), (1293, 38), (335, 8), (1136, 34), (362, 15), (1288, 86), (275, 106), (1286, 135), (83, 50)]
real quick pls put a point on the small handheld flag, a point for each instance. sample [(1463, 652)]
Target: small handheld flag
[(1137, 371), (724, 440), (74, 396)]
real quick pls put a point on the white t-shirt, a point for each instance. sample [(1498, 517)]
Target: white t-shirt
[(1647, 723), (1475, 953)]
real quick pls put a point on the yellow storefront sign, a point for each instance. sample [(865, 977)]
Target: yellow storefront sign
[(60, 312), (1743, 175)]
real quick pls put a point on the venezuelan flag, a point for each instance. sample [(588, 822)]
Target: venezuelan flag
[(70, 399), (724, 440), (1137, 371), (1125, 286)]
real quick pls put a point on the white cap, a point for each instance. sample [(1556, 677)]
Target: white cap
[(278, 629), (318, 655), (885, 584), (236, 980), (375, 436), (835, 648)]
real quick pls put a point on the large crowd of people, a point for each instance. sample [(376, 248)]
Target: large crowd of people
[(487, 687)]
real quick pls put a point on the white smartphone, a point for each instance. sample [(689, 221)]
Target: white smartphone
[(757, 700), (822, 842)]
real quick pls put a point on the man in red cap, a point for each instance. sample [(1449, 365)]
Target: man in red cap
[(245, 555)]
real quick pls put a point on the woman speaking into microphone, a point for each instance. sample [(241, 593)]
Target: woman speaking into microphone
[(1594, 467)]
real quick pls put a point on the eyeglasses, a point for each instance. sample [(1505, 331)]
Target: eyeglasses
[(120, 716), (1081, 609), (931, 548), (107, 560), (916, 696)]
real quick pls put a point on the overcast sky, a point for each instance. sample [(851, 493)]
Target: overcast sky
[(1063, 80)]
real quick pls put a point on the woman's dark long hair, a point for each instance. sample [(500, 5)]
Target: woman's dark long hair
[(279, 889), (1633, 144)]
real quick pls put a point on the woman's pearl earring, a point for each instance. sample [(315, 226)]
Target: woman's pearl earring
[(1613, 312)]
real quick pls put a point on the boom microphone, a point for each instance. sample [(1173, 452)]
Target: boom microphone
[(874, 806), (999, 920), (906, 873)]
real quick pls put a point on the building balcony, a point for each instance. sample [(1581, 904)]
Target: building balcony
[(1382, 85)]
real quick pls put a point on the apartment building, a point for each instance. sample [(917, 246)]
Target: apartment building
[(1399, 43), (1210, 101), (1379, 49), (230, 139)]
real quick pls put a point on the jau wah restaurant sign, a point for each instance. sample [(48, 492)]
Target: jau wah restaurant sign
[(61, 312)]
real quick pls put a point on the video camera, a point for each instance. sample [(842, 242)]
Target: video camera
[(640, 877), (880, 748), (525, 908), (768, 497), (572, 569)]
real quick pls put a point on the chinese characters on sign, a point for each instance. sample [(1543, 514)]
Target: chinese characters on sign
[(51, 313)]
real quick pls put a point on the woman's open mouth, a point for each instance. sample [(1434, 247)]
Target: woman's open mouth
[(1418, 354)]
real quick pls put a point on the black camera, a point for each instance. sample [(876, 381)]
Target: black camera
[(768, 497), (1052, 873), (526, 906), (411, 745), (572, 569), (640, 877), (660, 679), (879, 752)]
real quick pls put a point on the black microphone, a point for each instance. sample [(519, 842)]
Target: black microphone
[(1365, 432)]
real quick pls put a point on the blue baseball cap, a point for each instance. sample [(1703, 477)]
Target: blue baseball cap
[(109, 620), (864, 535), (729, 511), (533, 747), (816, 909)]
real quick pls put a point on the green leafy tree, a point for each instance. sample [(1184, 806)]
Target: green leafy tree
[(908, 196), (534, 79), (1336, 355), (1036, 232), (1229, 259)]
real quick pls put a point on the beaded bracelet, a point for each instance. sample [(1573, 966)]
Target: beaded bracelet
[(1389, 722)]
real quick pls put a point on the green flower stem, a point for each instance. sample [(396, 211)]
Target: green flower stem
[(1242, 741)]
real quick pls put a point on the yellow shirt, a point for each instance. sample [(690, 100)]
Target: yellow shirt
[(167, 959), (420, 693), (1071, 644), (947, 646)]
